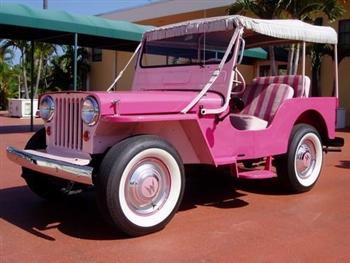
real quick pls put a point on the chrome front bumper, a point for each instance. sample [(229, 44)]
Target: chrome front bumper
[(61, 169)]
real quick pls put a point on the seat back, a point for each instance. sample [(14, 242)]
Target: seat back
[(295, 81), (263, 101)]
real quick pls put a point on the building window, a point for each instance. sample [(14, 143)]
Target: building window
[(264, 70), (96, 54), (344, 32)]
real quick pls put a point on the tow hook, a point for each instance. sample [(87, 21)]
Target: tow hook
[(334, 145)]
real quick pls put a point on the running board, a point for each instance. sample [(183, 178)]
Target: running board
[(256, 174), (265, 173)]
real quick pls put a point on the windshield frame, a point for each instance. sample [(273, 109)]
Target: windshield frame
[(200, 50)]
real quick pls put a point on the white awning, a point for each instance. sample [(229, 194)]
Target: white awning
[(277, 28)]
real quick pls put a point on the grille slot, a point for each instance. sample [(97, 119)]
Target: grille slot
[(68, 126)]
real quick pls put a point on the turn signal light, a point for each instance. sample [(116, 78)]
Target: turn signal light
[(86, 136)]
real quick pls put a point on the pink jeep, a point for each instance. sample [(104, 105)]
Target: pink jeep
[(189, 105)]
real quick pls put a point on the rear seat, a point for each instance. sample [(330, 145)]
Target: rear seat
[(261, 104), (295, 81), (263, 97)]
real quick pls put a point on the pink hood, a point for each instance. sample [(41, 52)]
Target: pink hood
[(152, 102)]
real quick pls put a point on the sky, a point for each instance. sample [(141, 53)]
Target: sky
[(84, 7)]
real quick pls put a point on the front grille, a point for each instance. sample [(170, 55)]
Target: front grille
[(68, 126)]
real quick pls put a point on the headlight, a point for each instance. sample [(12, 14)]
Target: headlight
[(47, 108), (90, 111)]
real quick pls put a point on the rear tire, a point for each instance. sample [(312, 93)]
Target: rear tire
[(140, 184), (300, 168)]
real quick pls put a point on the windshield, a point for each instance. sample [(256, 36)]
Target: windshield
[(192, 49)]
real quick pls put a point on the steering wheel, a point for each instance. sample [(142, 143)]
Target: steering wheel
[(239, 81), (236, 105)]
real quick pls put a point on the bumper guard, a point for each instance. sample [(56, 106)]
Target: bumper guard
[(61, 169)]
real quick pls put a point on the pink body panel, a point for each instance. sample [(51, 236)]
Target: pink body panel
[(228, 144), (220, 143), (66, 126), (115, 120), (183, 133), (151, 102)]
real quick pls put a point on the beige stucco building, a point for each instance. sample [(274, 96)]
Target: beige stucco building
[(109, 63)]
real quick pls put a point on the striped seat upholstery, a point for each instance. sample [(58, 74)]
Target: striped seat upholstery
[(263, 102), (295, 81), (263, 97)]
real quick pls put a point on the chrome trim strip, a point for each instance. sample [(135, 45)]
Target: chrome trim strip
[(65, 170)]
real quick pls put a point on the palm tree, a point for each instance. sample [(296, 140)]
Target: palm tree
[(7, 74), (43, 53), (306, 10), (6, 54), (310, 11), (24, 48), (61, 76), (266, 9)]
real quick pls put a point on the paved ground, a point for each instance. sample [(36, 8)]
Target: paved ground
[(218, 221)]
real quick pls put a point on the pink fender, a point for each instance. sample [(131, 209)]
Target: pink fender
[(228, 144)]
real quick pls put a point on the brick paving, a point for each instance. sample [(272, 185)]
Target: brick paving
[(219, 221)]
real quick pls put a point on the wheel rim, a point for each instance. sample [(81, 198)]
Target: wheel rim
[(308, 159), (147, 186), (150, 187), (305, 159)]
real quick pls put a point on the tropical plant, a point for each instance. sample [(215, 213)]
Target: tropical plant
[(266, 9), (62, 71), (8, 80), (310, 11), (42, 55), (6, 54), (306, 10), (317, 51), (24, 49)]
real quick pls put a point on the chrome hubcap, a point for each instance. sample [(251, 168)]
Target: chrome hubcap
[(148, 186), (305, 159)]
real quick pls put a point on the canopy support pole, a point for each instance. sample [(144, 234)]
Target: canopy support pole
[(32, 87), (336, 71), (75, 61), (304, 68)]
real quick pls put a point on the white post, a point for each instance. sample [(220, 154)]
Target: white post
[(19, 86), (304, 66), (336, 71)]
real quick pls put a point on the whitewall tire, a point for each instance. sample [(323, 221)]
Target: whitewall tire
[(140, 184), (300, 168)]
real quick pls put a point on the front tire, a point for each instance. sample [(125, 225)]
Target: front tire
[(300, 168), (45, 186), (140, 184)]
